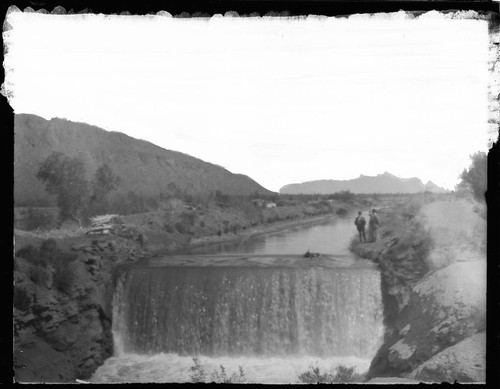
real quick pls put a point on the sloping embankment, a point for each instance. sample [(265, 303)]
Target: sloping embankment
[(433, 269)]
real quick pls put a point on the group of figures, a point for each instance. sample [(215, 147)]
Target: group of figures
[(373, 225)]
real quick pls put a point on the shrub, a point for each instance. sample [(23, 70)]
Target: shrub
[(188, 217), (22, 300), (344, 196), (186, 222), (313, 376), (221, 199), (340, 374), (222, 378), (353, 244), (64, 277), (180, 228), (28, 252), (49, 253), (346, 374), (413, 205), (39, 275), (48, 248), (167, 227), (199, 374), (36, 219), (341, 212), (198, 371)]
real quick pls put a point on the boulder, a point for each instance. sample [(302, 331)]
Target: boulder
[(445, 308), (462, 362)]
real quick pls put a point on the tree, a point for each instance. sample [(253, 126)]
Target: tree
[(105, 181), (64, 177), (475, 179)]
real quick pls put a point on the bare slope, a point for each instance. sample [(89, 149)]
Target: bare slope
[(433, 269), (142, 167), (382, 183)]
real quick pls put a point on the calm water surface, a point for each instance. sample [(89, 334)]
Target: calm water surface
[(331, 238)]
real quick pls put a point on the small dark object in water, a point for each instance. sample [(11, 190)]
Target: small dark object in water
[(308, 254)]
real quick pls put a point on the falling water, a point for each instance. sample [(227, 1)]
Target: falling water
[(272, 316), (248, 311)]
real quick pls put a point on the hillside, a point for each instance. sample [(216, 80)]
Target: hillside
[(382, 183), (143, 168)]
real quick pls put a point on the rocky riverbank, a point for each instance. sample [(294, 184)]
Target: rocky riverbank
[(433, 265), (62, 305)]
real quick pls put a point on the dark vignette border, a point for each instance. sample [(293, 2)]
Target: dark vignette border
[(248, 8)]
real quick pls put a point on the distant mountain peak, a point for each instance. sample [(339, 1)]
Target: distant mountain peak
[(381, 183), (432, 187), (387, 174)]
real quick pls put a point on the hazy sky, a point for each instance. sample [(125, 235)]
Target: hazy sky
[(280, 100)]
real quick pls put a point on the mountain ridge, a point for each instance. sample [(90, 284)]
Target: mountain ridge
[(381, 183), (143, 167)]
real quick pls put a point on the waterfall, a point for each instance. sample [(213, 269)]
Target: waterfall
[(118, 328), (248, 311)]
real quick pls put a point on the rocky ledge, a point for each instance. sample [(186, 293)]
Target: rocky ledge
[(62, 304), (433, 269)]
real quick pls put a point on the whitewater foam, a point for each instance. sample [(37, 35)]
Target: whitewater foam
[(172, 368)]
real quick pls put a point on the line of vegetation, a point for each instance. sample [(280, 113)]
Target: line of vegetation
[(475, 178), (78, 199), (339, 374)]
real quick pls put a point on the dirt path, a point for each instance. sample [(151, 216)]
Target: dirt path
[(458, 232)]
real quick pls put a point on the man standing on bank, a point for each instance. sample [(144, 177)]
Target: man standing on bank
[(360, 223), (373, 225)]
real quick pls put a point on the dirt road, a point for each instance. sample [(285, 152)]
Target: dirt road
[(458, 232)]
